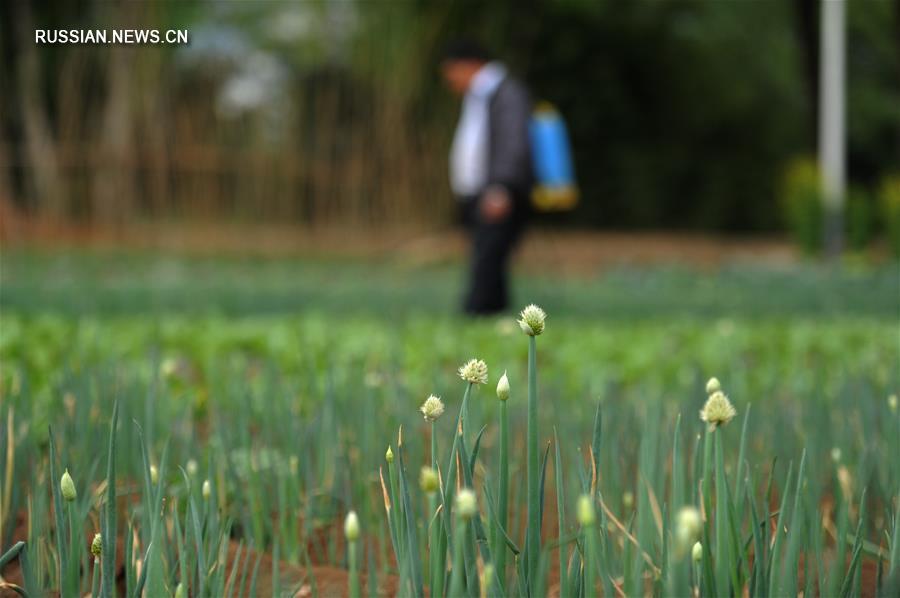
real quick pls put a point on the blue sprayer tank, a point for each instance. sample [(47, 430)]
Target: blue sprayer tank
[(555, 187)]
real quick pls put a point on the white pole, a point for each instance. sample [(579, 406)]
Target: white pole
[(832, 135)]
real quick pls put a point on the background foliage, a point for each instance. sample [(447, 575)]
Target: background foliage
[(683, 114)]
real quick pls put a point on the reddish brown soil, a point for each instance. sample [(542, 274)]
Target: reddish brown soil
[(327, 581), (568, 252), (333, 581)]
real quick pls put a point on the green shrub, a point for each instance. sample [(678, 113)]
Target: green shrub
[(801, 204), (889, 200)]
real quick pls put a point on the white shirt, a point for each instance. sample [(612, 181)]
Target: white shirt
[(469, 153)]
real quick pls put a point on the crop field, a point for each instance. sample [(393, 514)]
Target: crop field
[(262, 427)]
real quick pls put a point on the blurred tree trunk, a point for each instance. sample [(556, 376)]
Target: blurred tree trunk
[(6, 166), (9, 215), (42, 177), (152, 123), (113, 185), (806, 30), (8, 122)]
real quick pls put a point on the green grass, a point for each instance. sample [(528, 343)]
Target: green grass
[(283, 383), (77, 283)]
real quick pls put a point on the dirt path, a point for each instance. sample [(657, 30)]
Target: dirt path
[(566, 251)]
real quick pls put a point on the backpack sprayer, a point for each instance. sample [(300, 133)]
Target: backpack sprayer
[(555, 189)]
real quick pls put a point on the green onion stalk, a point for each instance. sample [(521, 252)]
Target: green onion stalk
[(716, 412), (95, 579), (437, 547), (449, 481), (499, 543), (533, 533), (432, 409), (351, 531), (429, 483), (587, 519), (466, 508), (459, 566), (532, 324)]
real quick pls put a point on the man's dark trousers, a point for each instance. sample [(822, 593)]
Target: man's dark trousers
[(492, 245)]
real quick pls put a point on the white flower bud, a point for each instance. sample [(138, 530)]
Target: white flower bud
[(428, 480), (474, 371), (191, 467), (836, 455), (389, 455), (432, 408), (503, 388), (67, 487), (206, 489), (351, 526), (697, 552), (718, 410), (713, 386), (688, 526), (466, 503), (154, 475), (531, 320), (585, 511)]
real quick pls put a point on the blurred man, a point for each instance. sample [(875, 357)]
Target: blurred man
[(490, 167)]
